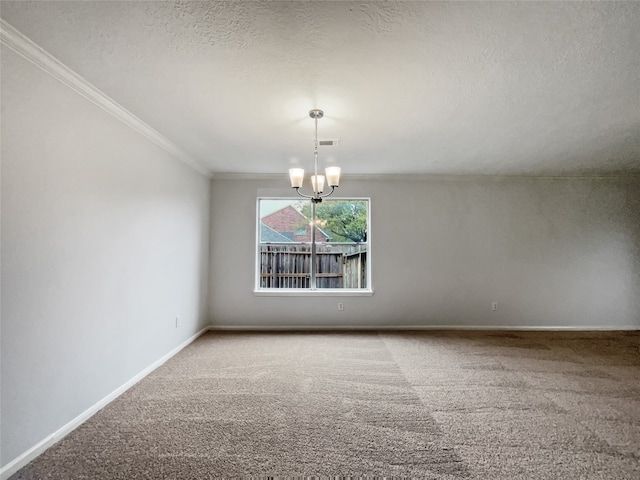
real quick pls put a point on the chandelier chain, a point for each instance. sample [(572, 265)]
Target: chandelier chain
[(315, 147)]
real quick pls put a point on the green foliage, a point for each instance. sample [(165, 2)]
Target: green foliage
[(344, 220)]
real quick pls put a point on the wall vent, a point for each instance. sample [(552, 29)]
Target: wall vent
[(328, 142)]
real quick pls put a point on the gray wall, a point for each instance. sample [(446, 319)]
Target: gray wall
[(104, 242), (553, 252)]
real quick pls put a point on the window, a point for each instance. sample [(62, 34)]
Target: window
[(290, 257)]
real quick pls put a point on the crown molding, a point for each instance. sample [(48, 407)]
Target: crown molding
[(424, 177), (26, 48), (248, 176)]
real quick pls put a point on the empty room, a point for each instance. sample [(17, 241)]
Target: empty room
[(320, 239)]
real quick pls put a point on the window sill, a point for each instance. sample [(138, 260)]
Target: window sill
[(324, 292)]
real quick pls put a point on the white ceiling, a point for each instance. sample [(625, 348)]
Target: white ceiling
[(524, 88)]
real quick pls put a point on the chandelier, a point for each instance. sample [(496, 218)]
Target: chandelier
[(317, 181)]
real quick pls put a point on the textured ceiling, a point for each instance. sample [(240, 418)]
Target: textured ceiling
[(529, 88)]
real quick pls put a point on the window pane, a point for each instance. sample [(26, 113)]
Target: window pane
[(342, 258), (285, 244), (285, 248)]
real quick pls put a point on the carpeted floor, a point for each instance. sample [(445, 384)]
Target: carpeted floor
[(439, 405)]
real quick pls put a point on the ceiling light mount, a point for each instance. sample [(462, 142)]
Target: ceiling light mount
[(296, 175), (316, 113)]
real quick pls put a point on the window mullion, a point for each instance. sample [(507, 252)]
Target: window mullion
[(313, 245)]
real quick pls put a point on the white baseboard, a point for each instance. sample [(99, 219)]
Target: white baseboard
[(284, 328), (23, 459)]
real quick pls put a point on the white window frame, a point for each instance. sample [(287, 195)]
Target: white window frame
[(309, 292)]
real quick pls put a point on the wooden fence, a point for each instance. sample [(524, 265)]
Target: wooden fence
[(289, 266), (355, 267)]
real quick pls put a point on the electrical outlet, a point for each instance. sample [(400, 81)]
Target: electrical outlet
[(494, 306), (177, 322), (340, 306)]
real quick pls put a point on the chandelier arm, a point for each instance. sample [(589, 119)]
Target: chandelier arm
[(329, 193), (316, 197), (297, 189)]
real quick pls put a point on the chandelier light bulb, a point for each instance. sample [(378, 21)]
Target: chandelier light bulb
[(317, 183), (333, 176), (296, 175)]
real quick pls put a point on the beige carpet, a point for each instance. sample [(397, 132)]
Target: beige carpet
[(440, 405)]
